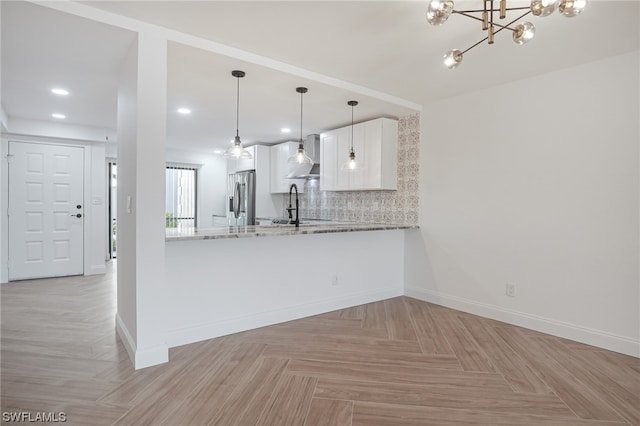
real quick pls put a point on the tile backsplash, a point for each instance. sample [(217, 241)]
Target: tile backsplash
[(399, 206)]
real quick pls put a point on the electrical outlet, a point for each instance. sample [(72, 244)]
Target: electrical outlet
[(334, 280), (511, 290)]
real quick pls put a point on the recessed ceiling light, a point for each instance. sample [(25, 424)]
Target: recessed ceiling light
[(59, 91), (184, 110), (56, 115), (218, 151), (285, 130)]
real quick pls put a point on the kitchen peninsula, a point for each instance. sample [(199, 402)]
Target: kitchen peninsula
[(221, 280)]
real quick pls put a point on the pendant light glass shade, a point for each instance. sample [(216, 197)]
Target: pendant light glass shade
[(236, 150), (543, 8), (524, 32), (301, 157), (571, 8), (452, 59), (351, 164), (438, 11)]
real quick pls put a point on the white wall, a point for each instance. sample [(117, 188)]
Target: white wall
[(127, 251), (218, 287), (536, 183), (212, 182), (142, 113)]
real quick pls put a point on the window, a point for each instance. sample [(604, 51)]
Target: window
[(181, 197)]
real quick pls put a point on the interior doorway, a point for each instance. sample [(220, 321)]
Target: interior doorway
[(113, 209)]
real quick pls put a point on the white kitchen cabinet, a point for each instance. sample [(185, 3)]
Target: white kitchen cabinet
[(280, 168), (376, 146)]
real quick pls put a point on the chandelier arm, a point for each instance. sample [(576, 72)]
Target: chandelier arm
[(502, 27), (494, 23), (469, 48), (495, 10)]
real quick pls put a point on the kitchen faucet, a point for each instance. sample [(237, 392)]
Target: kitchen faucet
[(289, 209)]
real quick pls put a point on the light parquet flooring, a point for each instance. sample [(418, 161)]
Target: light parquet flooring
[(395, 362)]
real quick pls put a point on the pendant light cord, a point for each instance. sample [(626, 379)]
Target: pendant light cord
[(301, 94), (238, 108), (352, 127)]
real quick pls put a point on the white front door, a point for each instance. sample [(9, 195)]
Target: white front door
[(46, 210)]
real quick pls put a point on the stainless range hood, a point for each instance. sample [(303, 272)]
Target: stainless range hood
[(312, 149)]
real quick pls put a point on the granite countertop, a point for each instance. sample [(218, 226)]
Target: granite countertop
[(323, 227)]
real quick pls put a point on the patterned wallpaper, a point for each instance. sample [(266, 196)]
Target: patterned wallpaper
[(400, 207)]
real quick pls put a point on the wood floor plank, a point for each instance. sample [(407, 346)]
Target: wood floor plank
[(364, 371), (249, 399), (462, 397), (617, 367), (626, 403), (289, 402), (373, 356), (205, 396), (351, 343), (515, 371), (398, 321), (579, 397), (374, 316), (470, 356), (370, 414), (429, 335), (329, 412)]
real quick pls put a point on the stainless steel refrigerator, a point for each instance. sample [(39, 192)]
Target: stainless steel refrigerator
[(241, 197)]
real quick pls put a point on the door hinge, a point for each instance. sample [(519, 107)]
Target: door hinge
[(8, 157)]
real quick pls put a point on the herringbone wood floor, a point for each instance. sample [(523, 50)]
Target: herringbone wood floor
[(394, 362)]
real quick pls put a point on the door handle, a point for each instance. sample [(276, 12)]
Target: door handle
[(77, 215)]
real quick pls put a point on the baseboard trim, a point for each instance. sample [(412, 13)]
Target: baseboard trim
[(609, 341), (184, 336), (125, 336), (140, 358), (97, 270)]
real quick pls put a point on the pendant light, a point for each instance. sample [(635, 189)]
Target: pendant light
[(301, 157), (236, 150), (351, 163)]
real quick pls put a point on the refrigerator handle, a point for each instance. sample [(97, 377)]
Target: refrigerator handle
[(237, 200)]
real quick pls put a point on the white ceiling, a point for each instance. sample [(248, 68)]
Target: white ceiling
[(386, 46)]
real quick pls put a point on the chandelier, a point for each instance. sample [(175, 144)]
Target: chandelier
[(439, 10)]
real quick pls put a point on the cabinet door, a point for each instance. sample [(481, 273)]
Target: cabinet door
[(328, 160), (277, 170), (343, 177), (372, 142), (334, 151)]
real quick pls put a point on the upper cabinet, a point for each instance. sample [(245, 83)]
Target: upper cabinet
[(280, 168), (375, 143)]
